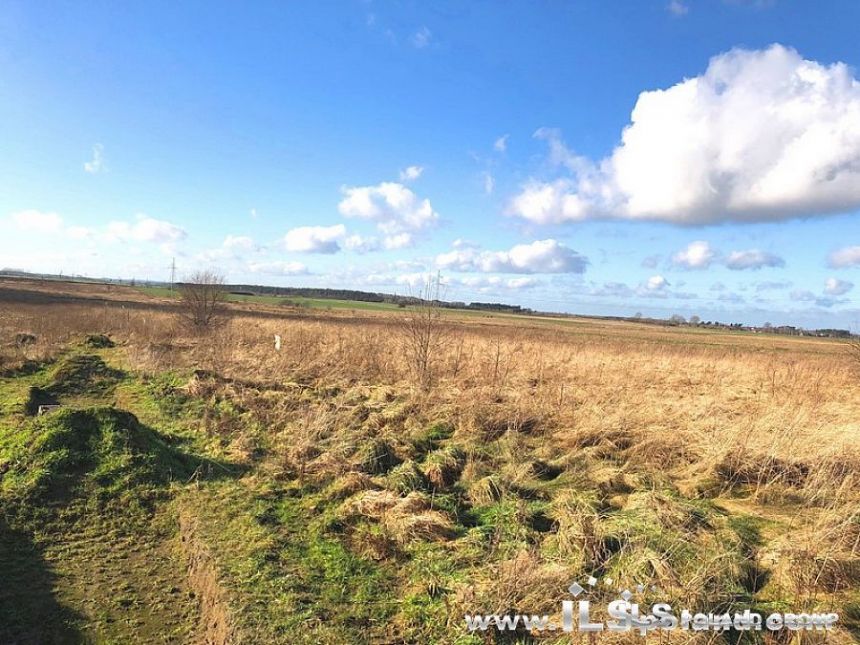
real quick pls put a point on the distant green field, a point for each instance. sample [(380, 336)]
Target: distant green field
[(300, 301)]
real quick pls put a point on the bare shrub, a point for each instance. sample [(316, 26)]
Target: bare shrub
[(203, 296), (424, 334)]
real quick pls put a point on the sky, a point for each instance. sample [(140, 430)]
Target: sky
[(657, 157)]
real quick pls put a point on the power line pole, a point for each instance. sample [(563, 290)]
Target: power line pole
[(172, 273)]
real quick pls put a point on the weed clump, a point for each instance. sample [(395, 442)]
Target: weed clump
[(377, 457), (443, 467), (406, 478), (431, 438), (98, 341)]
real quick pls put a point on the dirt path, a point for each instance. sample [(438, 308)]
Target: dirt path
[(127, 584)]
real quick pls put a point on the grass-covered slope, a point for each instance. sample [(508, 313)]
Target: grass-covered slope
[(88, 535)]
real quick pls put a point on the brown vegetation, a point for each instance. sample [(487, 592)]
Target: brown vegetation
[(624, 433)]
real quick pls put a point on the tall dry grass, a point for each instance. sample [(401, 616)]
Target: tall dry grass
[(769, 426)]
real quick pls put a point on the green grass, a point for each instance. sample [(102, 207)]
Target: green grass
[(298, 301)]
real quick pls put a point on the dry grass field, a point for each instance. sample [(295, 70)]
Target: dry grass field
[(208, 488)]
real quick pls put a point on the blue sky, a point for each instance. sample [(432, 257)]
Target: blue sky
[(660, 157)]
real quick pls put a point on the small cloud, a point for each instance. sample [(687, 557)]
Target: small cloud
[(836, 287), (239, 243), (489, 183), (411, 173), (542, 256), (421, 38), (398, 241), (97, 163), (522, 283), (231, 249), (253, 213), (314, 239), (752, 259), (844, 257), (361, 244), (494, 284), (697, 255), (501, 144), (677, 8), (393, 206), (656, 283), (146, 229)]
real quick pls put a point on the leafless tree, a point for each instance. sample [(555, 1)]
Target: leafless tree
[(202, 296), (424, 332)]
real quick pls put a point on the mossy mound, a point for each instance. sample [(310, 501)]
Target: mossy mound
[(85, 374), (104, 448)]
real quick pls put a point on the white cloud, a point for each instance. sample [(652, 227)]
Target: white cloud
[(845, 257), (677, 8), (701, 255), (393, 206), (549, 203), (278, 268), (656, 283), (314, 239), (501, 144), (521, 283), (411, 173), (360, 244), (761, 135), (397, 241), (655, 287), (489, 183), (836, 287), (231, 249), (542, 256), (146, 229), (97, 163), (37, 221), (802, 295), (414, 280), (494, 284), (460, 243), (239, 243), (752, 259), (421, 38), (697, 255)]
